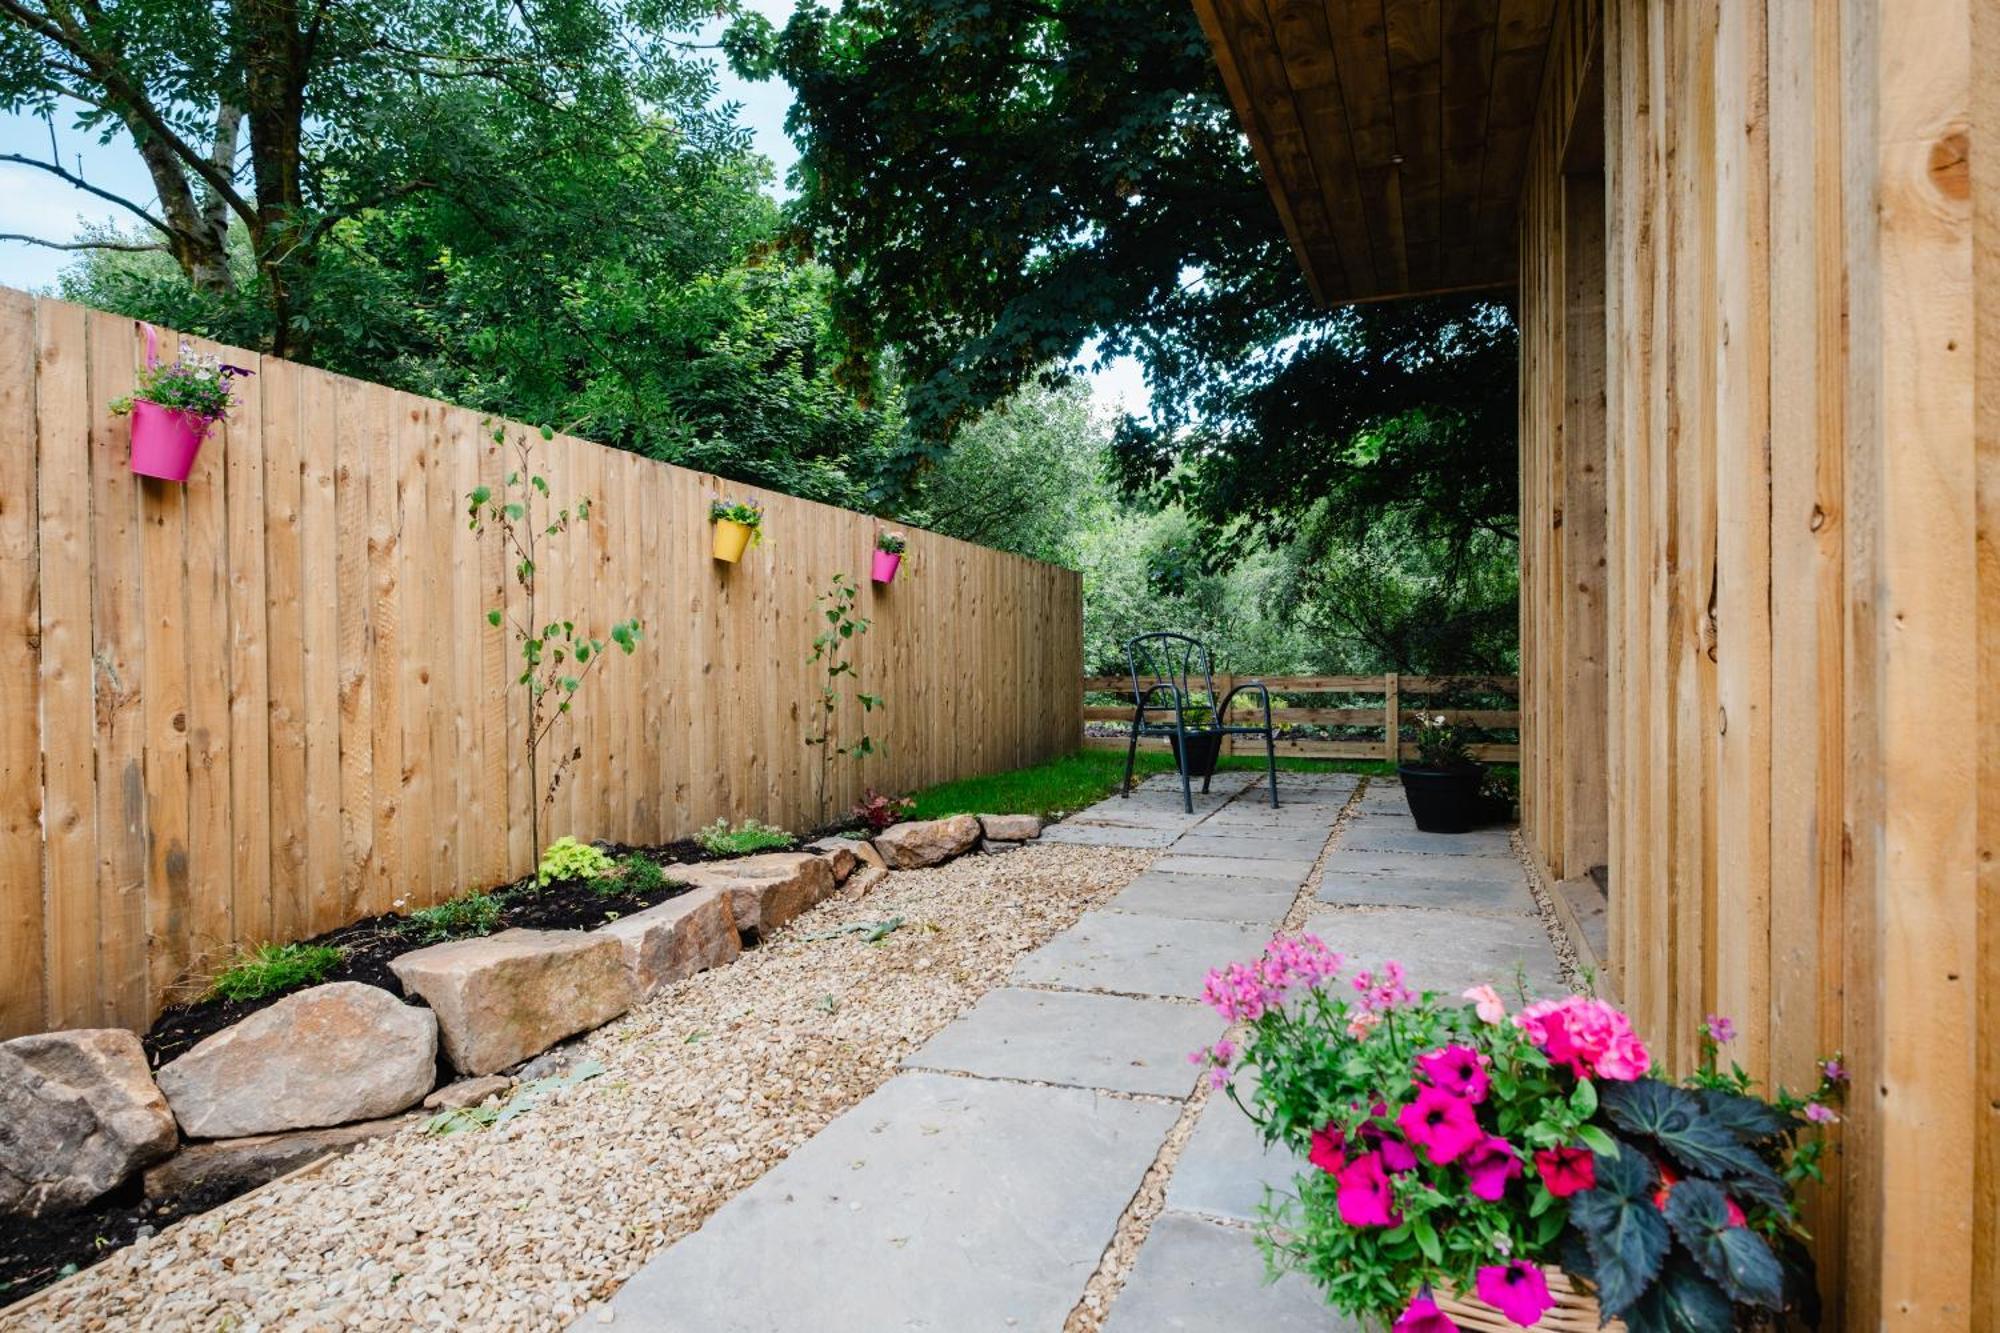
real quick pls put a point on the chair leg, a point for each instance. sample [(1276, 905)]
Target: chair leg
[(1187, 790), (1271, 761), (1131, 753)]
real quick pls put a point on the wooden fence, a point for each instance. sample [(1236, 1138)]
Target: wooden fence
[(1330, 722), (268, 703)]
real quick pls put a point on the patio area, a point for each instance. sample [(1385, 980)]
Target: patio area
[(1050, 1161)]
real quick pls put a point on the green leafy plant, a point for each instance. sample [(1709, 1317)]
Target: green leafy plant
[(748, 512), (892, 542), (566, 858), (272, 969), (474, 914), (1441, 743), (522, 1100), (1453, 1144), (719, 839), (830, 648), (556, 655), (196, 384), (640, 874)]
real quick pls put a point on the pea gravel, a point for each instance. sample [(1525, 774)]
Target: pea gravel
[(526, 1225)]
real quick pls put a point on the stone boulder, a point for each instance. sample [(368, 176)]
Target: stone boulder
[(1011, 828), (676, 939), (78, 1113), (838, 853), (764, 891), (927, 842), (327, 1055), (863, 882), (242, 1164), (506, 997), (467, 1092)]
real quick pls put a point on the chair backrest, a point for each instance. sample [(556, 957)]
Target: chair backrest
[(1175, 658)]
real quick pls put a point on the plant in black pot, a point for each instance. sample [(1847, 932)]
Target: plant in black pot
[(1204, 741), (1442, 787)]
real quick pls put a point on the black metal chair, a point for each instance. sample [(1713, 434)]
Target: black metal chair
[(1173, 662)]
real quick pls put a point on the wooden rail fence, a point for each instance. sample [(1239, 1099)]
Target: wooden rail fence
[(268, 703), (1396, 693)]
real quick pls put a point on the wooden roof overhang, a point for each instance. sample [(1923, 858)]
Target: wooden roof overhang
[(1393, 133)]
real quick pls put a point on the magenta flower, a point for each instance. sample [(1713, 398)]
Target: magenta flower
[(1567, 1171), (1365, 1197), (1458, 1070), (1329, 1149), (1592, 1038), (1441, 1124), (1423, 1316), (1490, 1164), (1517, 1290), (1397, 1155), (1721, 1030)]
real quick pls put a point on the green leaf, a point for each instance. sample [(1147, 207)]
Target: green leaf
[(1625, 1234), (1597, 1140), (548, 434), (1584, 1100), (1672, 1117), (1735, 1257), (1427, 1239), (493, 617), (1746, 1117), (1682, 1301)]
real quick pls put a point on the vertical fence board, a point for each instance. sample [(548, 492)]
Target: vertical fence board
[(21, 910)]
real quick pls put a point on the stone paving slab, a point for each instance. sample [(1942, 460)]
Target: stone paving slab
[(1139, 954), (939, 1203), (1108, 835), (1498, 894), (1271, 846), (1479, 842), (1197, 1277), (1344, 860), (1078, 1039), (1207, 898), (1226, 1168), (1444, 951), (1292, 872)]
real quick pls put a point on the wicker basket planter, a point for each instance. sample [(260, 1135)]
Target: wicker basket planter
[(1575, 1310)]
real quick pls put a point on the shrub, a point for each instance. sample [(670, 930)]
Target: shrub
[(474, 914), (567, 858), (748, 512), (273, 969), (719, 839), (1440, 744), (640, 874), (892, 542), (879, 812)]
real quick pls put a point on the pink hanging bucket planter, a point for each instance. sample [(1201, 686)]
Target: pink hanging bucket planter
[(886, 563), (165, 440)]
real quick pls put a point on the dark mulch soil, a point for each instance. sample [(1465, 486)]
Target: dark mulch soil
[(36, 1252)]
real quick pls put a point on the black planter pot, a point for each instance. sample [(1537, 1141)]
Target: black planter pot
[(1443, 800), (1203, 749)]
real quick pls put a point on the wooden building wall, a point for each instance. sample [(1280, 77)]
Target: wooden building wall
[(1801, 579), (268, 703)]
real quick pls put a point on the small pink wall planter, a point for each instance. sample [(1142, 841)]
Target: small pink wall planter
[(886, 564), (165, 440)]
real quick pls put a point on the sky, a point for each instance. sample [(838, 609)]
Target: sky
[(35, 203)]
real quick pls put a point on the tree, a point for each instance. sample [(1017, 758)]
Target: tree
[(329, 108)]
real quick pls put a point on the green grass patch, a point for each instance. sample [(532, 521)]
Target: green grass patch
[(719, 839), (1084, 778), (474, 914), (272, 969)]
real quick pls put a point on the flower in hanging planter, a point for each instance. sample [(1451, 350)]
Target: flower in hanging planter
[(1486, 1002), (199, 385), (1329, 1149), (1366, 1199), (1566, 1171), (1442, 1125), (1458, 1070), (1423, 1316), (1489, 1165), (746, 511), (1517, 1290), (892, 543)]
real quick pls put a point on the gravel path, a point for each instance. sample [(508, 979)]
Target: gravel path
[(524, 1225)]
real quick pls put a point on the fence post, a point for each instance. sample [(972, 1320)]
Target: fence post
[(1392, 720)]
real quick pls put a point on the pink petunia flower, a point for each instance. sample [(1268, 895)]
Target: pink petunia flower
[(1489, 1165), (1487, 1003), (1329, 1149), (1441, 1124), (1423, 1316), (1821, 1114), (1721, 1030), (1458, 1070), (1397, 1155), (1567, 1171), (1517, 1290), (1366, 1199), (1833, 1071)]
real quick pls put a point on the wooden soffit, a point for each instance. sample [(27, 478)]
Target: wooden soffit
[(1393, 133)]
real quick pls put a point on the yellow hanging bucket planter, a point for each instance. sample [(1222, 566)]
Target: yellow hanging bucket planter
[(738, 525)]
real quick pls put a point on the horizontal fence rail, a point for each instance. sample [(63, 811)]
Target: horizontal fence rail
[(268, 703), (1323, 717)]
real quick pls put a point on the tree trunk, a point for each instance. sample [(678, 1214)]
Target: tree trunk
[(276, 55), (197, 247)]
